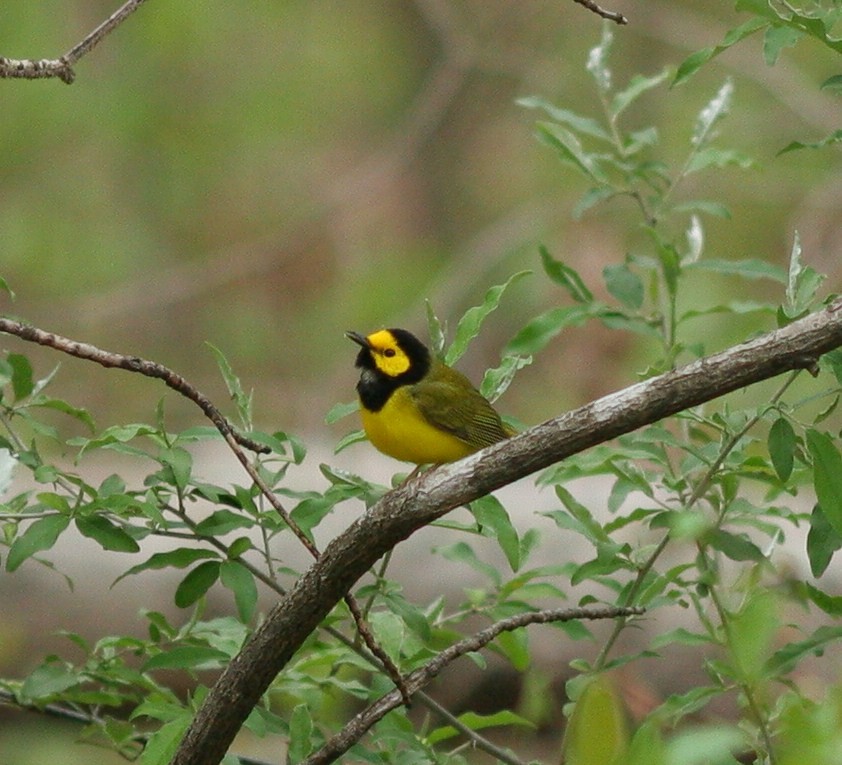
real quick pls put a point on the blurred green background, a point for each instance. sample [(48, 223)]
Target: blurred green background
[(266, 175)]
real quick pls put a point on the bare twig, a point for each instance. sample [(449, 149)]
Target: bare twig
[(62, 67), (599, 11), (362, 722)]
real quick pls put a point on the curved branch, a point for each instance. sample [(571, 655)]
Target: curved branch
[(416, 503), (362, 722)]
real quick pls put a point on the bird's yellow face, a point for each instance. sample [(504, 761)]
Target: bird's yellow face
[(387, 354)]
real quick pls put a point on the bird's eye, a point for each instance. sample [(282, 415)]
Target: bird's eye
[(389, 352)]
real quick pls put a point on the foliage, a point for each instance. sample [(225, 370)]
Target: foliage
[(698, 510)]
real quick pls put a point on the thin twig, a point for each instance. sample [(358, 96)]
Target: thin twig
[(599, 11), (62, 67), (362, 722)]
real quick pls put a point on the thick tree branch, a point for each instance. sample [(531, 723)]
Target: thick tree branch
[(62, 67), (416, 503)]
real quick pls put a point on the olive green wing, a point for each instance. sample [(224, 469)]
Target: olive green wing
[(455, 406)]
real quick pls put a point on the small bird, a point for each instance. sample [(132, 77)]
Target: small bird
[(417, 409)]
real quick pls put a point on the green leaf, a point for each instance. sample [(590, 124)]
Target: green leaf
[(589, 527), (186, 657), (833, 84), (598, 731), (591, 198), (41, 535), (716, 209), (476, 722), (782, 443), (22, 384), (751, 633), (827, 476), (469, 325), (787, 658), (834, 137), (566, 276), (349, 439), (339, 411), (196, 583), (734, 546), (180, 558), (300, 733), (180, 463), (713, 157), (697, 60), (4, 286), (647, 746), (775, 39), (222, 522), (237, 578), (830, 604), (115, 434), (46, 681), (437, 332), (496, 381), (822, 542), (242, 401), (571, 151), (636, 87), (584, 125), (161, 745), (310, 512), (460, 552), (624, 284), (107, 534), (747, 268), (538, 332), (494, 521)]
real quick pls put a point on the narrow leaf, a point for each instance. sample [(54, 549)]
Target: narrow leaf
[(822, 542), (186, 657), (566, 276), (469, 325), (781, 443)]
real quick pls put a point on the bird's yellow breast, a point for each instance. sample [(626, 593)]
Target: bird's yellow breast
[(400, 430)]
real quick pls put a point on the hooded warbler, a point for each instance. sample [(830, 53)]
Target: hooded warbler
[(417, 409)]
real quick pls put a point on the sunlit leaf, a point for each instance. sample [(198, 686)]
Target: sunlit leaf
[(598, 730)]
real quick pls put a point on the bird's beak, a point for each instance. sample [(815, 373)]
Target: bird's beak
[(357, 338)]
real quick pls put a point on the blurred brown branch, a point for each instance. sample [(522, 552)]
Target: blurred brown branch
[(62, 67)]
